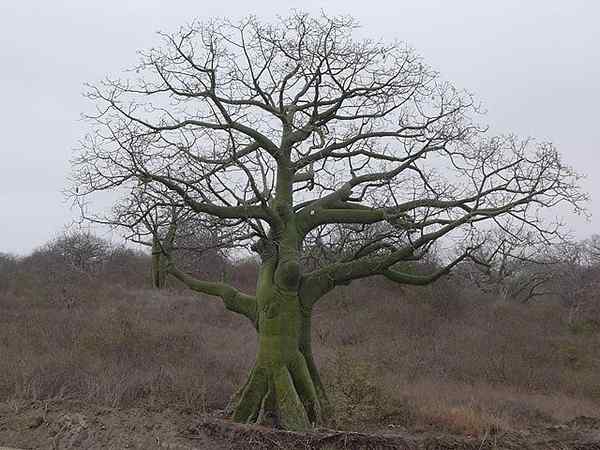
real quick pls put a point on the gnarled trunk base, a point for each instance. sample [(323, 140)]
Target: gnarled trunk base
[(280, 395), (284, 389)]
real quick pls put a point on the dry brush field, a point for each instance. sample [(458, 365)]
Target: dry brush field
[(437, 359)]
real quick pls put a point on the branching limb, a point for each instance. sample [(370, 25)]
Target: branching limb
[(422, 280), (233, 299), (225, 212)]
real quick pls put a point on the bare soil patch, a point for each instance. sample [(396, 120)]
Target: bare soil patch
[(75, 425)]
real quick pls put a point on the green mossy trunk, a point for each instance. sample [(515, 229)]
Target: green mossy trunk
[(306, 350), (284, 388)]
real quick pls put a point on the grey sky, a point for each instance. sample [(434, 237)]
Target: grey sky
[(534, 64)]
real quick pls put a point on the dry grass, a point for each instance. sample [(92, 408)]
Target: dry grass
[(430, 358), (436, 359), (130, 345)]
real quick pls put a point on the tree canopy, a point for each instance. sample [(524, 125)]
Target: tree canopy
[(331, 157)]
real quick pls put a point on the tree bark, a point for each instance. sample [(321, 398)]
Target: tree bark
[(159, 266), (283, 388), (161, 251), (306, 350)]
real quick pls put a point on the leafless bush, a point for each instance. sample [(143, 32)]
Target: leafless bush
[(356, 397), (435, 357), (8, 267), (77, 251)]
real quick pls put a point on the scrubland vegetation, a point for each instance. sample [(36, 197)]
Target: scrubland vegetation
[(80, 321), (394, 264)]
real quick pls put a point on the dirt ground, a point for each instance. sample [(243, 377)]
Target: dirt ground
[(71, 425)]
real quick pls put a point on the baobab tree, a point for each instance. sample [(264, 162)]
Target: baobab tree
[(295, 136)]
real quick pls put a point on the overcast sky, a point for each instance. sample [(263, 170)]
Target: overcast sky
[(534, 64)]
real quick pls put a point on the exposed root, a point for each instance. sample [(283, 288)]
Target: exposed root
[(281, 396), (267, 406), (292, 414), (235, 399), (306, 389), (248, 406)]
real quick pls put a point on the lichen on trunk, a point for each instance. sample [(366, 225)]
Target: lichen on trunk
[(283, 388)]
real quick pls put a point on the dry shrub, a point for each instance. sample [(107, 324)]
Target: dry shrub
[(462, 419), (475, 409), (125, 347), (462, 362), (354, 394), (441, 356)]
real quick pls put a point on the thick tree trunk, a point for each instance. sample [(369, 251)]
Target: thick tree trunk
[(284, 388)]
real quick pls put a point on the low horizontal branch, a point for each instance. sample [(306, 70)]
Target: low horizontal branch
[(233, 299)]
